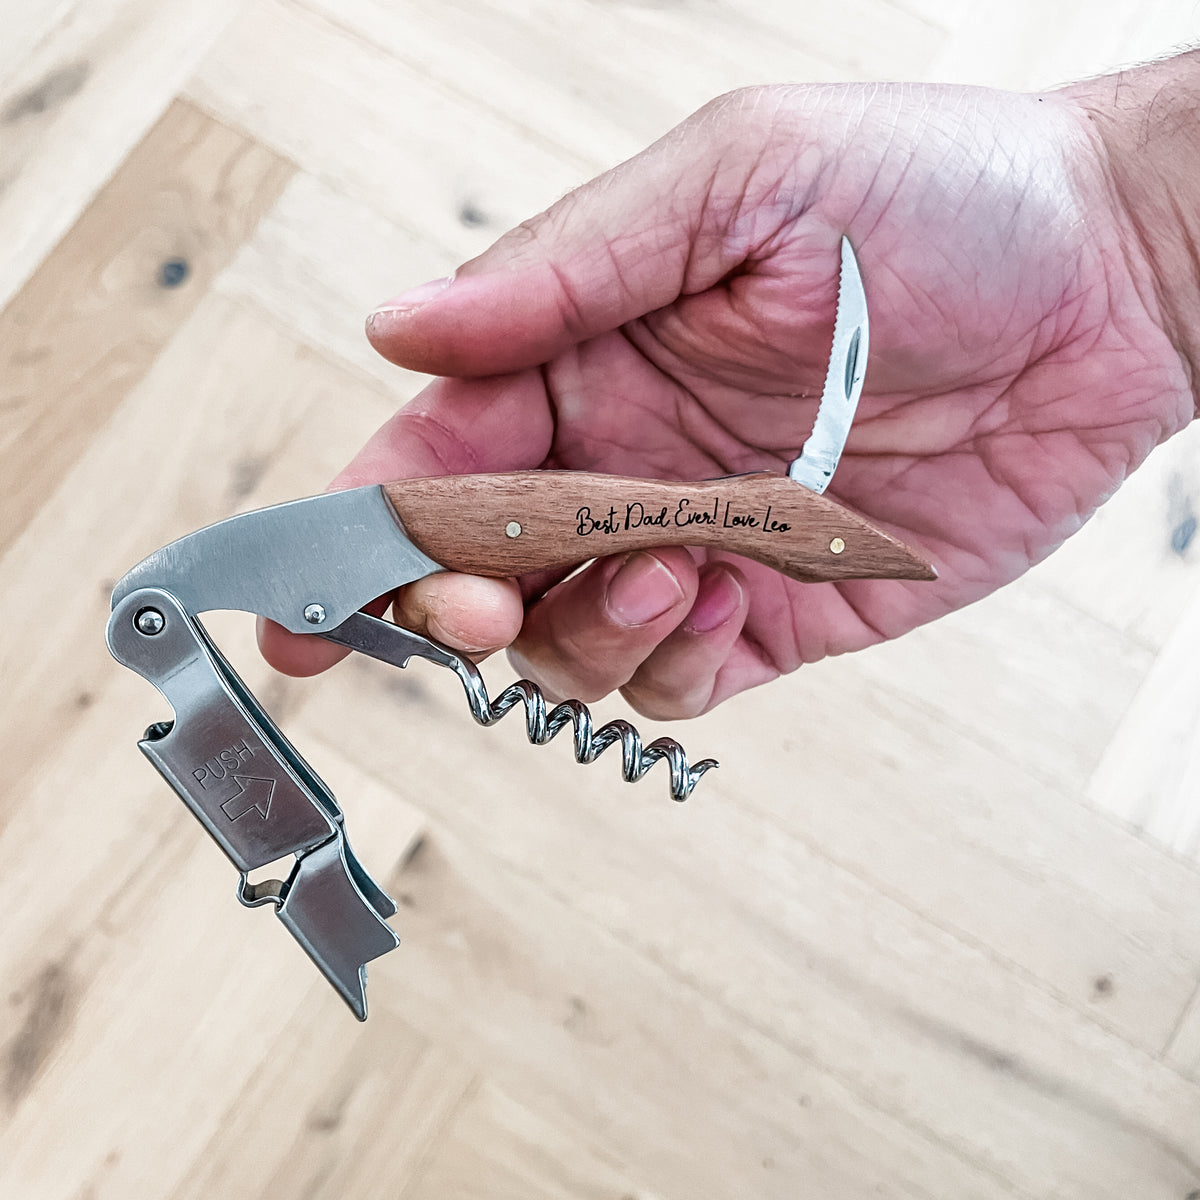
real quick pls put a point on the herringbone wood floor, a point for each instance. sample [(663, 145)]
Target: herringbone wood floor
[(934, 929)]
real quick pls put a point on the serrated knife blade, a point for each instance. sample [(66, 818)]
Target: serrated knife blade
[(844, 376)]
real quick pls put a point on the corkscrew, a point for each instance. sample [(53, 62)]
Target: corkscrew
[(391, 644), (311, 565)]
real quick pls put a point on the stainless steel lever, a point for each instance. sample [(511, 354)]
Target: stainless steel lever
[(250, 788)]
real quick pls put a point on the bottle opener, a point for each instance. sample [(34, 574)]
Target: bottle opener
[(312, 564)]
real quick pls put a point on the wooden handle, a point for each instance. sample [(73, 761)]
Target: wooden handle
[(504, 525)]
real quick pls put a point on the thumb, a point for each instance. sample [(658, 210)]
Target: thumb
[(628, 242)]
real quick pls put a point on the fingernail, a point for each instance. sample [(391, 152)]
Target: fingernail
[(414, 297), (638, 592), (719, 597)]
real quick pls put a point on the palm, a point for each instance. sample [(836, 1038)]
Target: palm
[(1014, 379), (672, 319)]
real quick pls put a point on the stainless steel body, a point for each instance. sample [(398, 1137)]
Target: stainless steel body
[(311, 565), (230, 764), (333, 552), (252, 792)]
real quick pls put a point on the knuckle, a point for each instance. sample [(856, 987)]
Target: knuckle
[(447, 450), (664, 705), (557, 679)]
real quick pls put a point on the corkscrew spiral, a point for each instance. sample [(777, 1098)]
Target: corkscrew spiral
[(393, 644), (542, 725)]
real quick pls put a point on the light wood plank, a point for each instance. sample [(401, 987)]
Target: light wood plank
[(887, 949), (229, 438), (1021, 667), (1150, 774), (539, 998), (499, 1149), (553, 69), (365, 1110), (592, 80), (971, 839), (860, 37), (319, 262), (1184, 1050), (97, 80), (799, 946), (90, 323), (996, 46), (561, 1015), (1136, 564), (558, 68), (452, 172), (927, 817)]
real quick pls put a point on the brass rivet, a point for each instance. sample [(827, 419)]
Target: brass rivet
[(513, 529), (837, 545)]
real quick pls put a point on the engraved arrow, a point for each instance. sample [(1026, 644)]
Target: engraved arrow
[(254, 793)]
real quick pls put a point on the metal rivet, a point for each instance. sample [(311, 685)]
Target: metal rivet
[(513, 529), (837, 546), (314, 614), (149, 621)]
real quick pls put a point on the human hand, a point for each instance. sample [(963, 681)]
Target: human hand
[(672, 320)]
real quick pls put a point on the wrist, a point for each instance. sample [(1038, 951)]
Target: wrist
[(1145, 124)]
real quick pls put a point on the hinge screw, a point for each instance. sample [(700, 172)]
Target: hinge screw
[(314, 614), (149, 621)]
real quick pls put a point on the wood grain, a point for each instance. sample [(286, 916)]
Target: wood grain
[(319, 262), (88, 326), (516, 523), (449, 169), (1184, 1049), (603, 1014), (1150, 773), (805, 929), (95, 79), (224, 448), (110, 931), (555, 68), (905, 943), (1143, 589), (974, 840), (1013, 685), (503, 1149)]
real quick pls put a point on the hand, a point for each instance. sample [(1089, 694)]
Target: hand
[(672, 319)]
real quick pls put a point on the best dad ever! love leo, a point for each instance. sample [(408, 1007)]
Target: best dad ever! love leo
[(684, 514)]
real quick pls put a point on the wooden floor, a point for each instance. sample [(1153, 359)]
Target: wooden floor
[(933, 931)]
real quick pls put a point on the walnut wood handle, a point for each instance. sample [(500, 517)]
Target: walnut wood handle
[(505, 525)]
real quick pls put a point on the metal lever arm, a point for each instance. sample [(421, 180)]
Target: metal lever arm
[(251, 790)]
